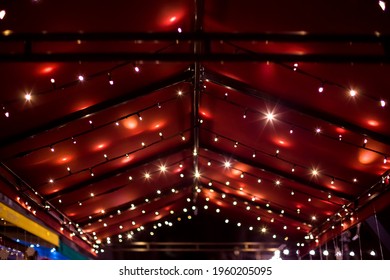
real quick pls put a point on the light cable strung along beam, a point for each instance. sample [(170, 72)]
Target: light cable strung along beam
[(282, 174), (253, 92), (181, 77), (114, 173)]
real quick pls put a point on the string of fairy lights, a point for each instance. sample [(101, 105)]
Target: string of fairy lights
[(322, 83), (235, 144), (259, 225), (106, 159), (277, 156), (249, 112), (160, 169), (91, 128)]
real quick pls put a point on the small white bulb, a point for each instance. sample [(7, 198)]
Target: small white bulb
[(382, 4), (2, 14)]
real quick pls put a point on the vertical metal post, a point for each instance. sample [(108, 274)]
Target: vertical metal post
[(197, 83)]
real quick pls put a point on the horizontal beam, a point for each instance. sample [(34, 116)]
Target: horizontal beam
[(199, 247), (194, 36), (191, 57)]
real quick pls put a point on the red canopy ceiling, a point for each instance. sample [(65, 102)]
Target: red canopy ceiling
[(273, 115)]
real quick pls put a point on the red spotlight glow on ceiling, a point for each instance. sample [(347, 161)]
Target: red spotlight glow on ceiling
[(47, 69), (373, 123), (131, 122)]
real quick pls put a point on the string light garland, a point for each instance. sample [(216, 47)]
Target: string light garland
[(94, 128), (270, 116), (297, 69), (133, 205), (347, 212), (81, 78), (175, 216), (257, 203), (276, 156), (111, 159), (34, 203)]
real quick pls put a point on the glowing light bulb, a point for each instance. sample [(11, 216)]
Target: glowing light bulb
[(197, 174), (81, 78), (227, 164), (147, 175), (385, 160), (383, 103), (53, 81), (27, 96), (2, 14), (314, 172), (352, 92), (137, 69), (270, 116), (318, 130), (180, 93), (216, 139), (179, 30), (326, 253), (163, 168), (382, 4), (321, 88)]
